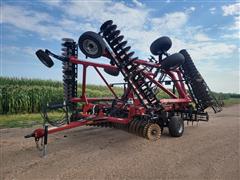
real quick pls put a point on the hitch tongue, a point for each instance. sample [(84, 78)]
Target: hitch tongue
[(30, 135), (40, 134)]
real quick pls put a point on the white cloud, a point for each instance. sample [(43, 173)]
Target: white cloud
[(236, 24), (201, 37), (191, 9), (137, 24), (99, 12), (169, 21), (33, 21), (232, 9), (219, 78), (130, 20), (52, 2), (231, 36), (28, 51), (209, 50), (86, 9), (138, 3), (212, 10)]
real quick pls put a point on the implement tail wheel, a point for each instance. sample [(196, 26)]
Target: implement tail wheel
[(152, 131)]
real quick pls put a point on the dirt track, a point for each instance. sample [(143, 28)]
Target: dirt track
[(207, 151)]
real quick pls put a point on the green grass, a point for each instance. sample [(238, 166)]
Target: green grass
[(231, 101), (27, 120), (20, 120)]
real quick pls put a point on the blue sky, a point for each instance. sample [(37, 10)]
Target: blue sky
[(209, 30)]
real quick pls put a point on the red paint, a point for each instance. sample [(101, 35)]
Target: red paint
[(135, 109), (76, 100), (109, 87), (38, 133)]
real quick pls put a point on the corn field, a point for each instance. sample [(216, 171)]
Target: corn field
[(16, 99), (19, 95), (28, 96)]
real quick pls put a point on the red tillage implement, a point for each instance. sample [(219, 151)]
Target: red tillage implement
[(138, 110)]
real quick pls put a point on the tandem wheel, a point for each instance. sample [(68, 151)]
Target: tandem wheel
[(176, 126)]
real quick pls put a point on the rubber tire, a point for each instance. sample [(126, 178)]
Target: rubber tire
[(97, 39), (172, 62), (160, 45), (174, 126), (44, 58), (111, 71)]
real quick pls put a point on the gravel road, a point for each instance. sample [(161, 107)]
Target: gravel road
[(207, 151)]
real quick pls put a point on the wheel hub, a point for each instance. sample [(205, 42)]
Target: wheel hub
[(90, 46), (180, 128), (153, 131)]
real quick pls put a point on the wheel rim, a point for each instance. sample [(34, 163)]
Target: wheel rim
[(90, 47), (153, 132), (180, 127)]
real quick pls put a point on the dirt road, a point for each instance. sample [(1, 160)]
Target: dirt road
[(207, 151)]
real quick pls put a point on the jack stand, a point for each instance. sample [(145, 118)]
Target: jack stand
[(45, 140)]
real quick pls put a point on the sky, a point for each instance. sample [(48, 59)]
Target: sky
[(209, 30)]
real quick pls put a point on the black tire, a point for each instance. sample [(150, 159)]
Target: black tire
[(176, 126), (172, 62), (160, 45), (44, 58), (113, 72), (91, 44)]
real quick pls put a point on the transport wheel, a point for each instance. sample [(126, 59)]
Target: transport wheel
[(91, 44), (44, 58), (176, 126), (160, 45), (153, 132), (173, 61)]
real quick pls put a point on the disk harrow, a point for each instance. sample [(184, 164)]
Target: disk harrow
[(69, 48), (130, 71), (139, 110), (200, 91), (142, 128)]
